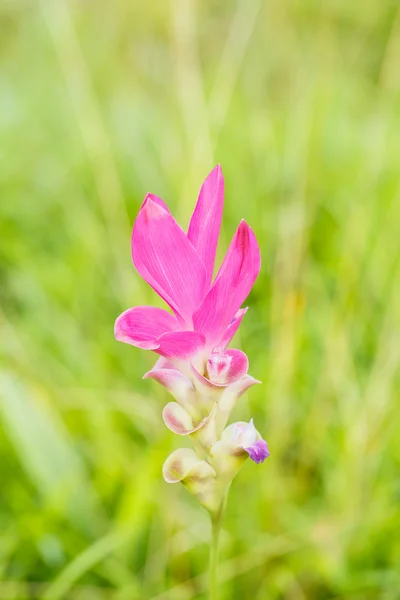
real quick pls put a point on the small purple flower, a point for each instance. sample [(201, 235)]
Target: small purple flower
[(246, 435)]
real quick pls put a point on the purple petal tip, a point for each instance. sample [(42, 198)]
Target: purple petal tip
[(258, 451)]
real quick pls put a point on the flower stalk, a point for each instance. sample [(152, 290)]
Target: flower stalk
[(216, 525)]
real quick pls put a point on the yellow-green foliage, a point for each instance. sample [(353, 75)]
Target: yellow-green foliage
[(101, 102)]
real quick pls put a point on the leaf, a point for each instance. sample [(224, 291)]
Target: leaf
[(47, 453)]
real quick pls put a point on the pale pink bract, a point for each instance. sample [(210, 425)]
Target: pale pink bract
[(179, 267)]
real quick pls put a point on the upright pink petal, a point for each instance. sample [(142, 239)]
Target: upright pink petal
[(180, 344), (167, 260), (231, 286), (206, 219), (142, 325)]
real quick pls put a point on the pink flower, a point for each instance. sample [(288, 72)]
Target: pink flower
[(179, 267)]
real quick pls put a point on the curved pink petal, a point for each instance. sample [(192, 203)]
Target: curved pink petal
[(231, 287), (163, 363), (208, 385), (141, 326), (232, 328), (167, 260), (179, 421), (223, 369), (227, 367), (180, 386), (206, 219), (180, 344), (172, 379)]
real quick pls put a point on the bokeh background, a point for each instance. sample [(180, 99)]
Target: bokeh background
[(100, 102)]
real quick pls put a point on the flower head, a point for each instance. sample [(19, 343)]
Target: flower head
[(179, 267), (204, 377)]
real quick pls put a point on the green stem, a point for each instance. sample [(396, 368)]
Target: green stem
[(216, 522)]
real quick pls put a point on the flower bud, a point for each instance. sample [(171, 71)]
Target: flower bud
[(198, 477), (238, 441), (246, 436)]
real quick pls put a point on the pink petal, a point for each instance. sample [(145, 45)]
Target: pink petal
[(179, 386), (206, 219), (208, 386), (142, 325), (227, 367), (208, 394), (223, 369), (231, 286), (232, 328), (163, 363), (167, 260), (180, 344), (172, 379), (177, 419)]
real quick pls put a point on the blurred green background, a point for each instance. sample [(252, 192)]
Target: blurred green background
[(100, 102)]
